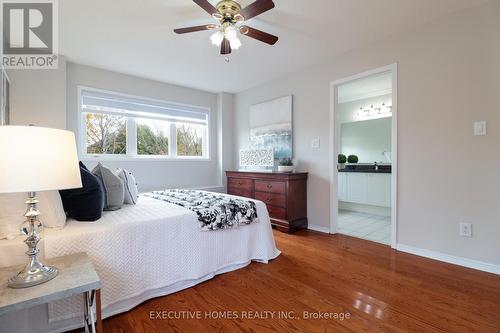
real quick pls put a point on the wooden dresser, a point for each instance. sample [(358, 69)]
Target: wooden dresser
[(285, 195)]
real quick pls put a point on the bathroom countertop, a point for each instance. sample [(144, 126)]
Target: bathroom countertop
[(367, 168)]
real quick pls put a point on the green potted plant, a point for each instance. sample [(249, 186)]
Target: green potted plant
[(353, 159), (285, 165), (342, 159)]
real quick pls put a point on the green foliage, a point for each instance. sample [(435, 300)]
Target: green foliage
[(352, 159), (285, 162), (342, 159), (151, 141), (107, 134)]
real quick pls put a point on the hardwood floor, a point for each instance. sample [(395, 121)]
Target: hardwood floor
[(382, 290)]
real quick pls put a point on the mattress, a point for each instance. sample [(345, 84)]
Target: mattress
[(143, 251)]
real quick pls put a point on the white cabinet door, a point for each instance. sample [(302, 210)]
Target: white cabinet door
[(357, 187), (379, 189), (342, 186)]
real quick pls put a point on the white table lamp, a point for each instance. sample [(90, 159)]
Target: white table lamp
[(36, 159)]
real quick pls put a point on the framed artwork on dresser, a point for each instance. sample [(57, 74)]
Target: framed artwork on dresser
[(4, 98)]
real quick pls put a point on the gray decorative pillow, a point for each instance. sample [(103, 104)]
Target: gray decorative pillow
[(130, 185), (114, 192)]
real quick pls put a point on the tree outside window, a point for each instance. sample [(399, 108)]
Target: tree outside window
[(106, 134), (152, 137), (190, 139)]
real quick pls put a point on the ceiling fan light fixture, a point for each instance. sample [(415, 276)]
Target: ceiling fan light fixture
[(217, 38), (230, 33), (230, 15), (235, 43), (239, 18), (217, 16)]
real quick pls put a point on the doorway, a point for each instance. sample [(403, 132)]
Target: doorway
[(363, 158)]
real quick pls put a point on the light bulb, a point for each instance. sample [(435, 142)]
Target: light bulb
[(217, 38), (231, 34), (235, 43)]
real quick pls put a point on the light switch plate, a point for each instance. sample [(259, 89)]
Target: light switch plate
[(315, 143), (466, 229), (480, 128)]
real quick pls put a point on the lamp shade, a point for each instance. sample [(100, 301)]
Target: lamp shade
[(37, 159)]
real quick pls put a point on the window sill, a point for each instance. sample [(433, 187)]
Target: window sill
[(144, 158)]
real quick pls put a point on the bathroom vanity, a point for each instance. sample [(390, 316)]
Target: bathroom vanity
[(365, 184)]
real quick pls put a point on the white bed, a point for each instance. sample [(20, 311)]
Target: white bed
[(151, 249)]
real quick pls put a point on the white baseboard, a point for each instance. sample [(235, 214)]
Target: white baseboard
[(319, 228), (465, 262)]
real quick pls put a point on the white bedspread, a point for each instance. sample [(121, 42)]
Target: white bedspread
[(148, 250)]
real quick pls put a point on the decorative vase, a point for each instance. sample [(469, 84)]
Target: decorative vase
[(341, 166), (285, 168)]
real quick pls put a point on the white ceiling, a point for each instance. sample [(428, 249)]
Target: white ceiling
[(136, 37)]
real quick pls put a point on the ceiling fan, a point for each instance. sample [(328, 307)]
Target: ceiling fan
[(230, 15)]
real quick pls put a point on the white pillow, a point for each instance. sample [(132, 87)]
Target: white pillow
[(130, 184), (51, 209), (13, 208)]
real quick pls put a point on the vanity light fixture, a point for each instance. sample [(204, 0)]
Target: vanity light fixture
[(374, 112)]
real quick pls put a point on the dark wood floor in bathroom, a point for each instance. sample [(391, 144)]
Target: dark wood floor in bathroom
[(383, 291)]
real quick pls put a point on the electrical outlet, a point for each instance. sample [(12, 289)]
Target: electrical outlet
[(466, 229)]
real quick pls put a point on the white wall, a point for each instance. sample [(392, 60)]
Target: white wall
[(38, 96), (367, 139), (448, 77), (225, 135)]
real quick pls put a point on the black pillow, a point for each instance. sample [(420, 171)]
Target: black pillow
[(85, 203)]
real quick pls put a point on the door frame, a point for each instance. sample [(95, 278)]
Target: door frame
[(335, 137)]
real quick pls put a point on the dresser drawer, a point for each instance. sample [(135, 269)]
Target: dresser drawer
[(271, 198), (271, 187), (239, 192), (240, 183), (276, 212)]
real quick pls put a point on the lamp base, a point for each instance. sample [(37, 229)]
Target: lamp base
[(32, 275)]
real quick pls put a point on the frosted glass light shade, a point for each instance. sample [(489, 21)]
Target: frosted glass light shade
[(230, 33), (235, 43), (36, 159), (217, 38)]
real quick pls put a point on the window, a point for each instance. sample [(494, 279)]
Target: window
[(115, 125), (190, 139), (106, 134), (152, 137)]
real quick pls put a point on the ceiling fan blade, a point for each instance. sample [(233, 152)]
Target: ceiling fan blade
[(207, 6), (259, 35), (225, 47), (256, 8), (194, 29)]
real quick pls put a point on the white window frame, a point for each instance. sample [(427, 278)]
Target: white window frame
[(131, 135)]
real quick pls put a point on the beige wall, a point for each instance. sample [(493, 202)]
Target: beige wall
[(448, 77)]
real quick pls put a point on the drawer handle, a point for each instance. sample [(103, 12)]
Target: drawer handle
[(269, 199), (269, 186), (240, 183)]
